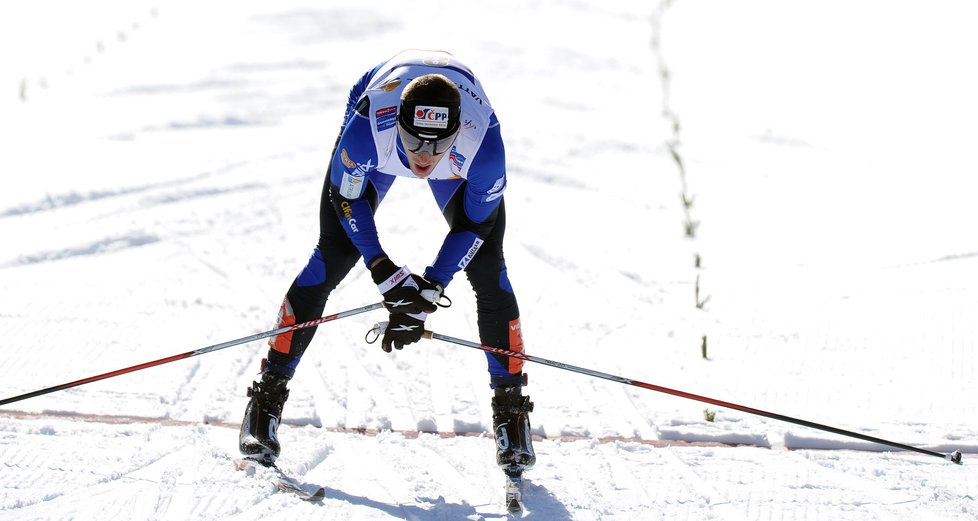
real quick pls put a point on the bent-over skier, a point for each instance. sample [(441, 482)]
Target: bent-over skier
[(420, 115)]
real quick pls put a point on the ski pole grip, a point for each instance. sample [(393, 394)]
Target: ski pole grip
[(380, 328)]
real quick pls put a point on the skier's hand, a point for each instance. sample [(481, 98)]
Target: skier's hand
[(403, 291), (402, 330)]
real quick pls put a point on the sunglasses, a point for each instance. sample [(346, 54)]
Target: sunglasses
[(417, 143)]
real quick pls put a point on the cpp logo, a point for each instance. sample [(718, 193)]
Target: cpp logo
[(431, 114), (431, 117)]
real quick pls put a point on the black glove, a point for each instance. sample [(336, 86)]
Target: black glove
[(403, 291), (403, 330)]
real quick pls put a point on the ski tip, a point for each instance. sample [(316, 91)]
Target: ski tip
[(319, 495), (290, 486), (514, 507)]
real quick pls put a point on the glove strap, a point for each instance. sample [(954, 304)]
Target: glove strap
[(395, 279)]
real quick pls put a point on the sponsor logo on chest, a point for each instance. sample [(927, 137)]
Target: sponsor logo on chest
[(456, 161), (386, 118)]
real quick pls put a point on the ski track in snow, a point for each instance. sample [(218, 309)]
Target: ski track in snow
[(170, 194)]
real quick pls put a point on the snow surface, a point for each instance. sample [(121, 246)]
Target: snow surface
[(162, 164)]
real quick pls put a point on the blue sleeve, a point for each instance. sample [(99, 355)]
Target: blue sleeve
[(353, 163), (486, 179), (357, 91), (484, 188)]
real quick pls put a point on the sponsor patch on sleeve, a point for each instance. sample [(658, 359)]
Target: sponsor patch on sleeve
[(470, 254), (346, 159), (496, 191), (353, 182), (352, 186)]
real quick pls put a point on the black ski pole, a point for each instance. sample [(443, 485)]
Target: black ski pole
[(181, 356), (954, 456)]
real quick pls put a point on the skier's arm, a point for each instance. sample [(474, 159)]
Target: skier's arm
[(354, 198), (353, 160), (484, 188)]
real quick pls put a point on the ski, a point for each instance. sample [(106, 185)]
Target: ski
[(514, 489), (283, 482), (514, 494)]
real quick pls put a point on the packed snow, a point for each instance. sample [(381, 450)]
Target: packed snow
[(766, 203)]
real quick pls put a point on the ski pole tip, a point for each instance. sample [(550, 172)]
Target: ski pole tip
[(954, 457)]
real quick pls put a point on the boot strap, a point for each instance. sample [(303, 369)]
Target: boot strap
[(523, 404)]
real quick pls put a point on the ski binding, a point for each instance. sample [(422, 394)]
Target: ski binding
[(514, 489)]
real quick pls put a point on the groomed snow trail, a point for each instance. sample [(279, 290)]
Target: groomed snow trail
[(162, 195)]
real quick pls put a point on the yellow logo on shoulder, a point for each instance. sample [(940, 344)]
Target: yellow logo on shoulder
[(346, 159)]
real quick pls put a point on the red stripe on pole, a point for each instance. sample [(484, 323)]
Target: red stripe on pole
[(953, 457), (181, 356)]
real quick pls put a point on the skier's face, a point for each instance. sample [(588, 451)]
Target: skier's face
[(423, 163), (425, 150)]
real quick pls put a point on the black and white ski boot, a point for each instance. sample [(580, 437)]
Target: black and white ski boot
[(514, 444), (511, 427), (258, 439)]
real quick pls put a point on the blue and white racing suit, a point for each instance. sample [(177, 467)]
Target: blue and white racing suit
[(467, 184)]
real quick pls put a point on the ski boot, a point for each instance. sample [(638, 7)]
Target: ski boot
[(511, 426), (258, 439), (514, 445)]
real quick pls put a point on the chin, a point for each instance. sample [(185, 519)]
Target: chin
[(422, 172)]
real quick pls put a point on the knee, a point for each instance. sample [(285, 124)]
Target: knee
[(491, 281), (487, 271)]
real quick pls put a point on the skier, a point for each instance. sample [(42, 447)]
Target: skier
[(421, 115)]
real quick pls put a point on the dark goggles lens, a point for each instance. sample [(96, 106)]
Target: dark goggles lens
[(418, 144)]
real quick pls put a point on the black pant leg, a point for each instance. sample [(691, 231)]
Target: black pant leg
[(331, 261), (496, 306)]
